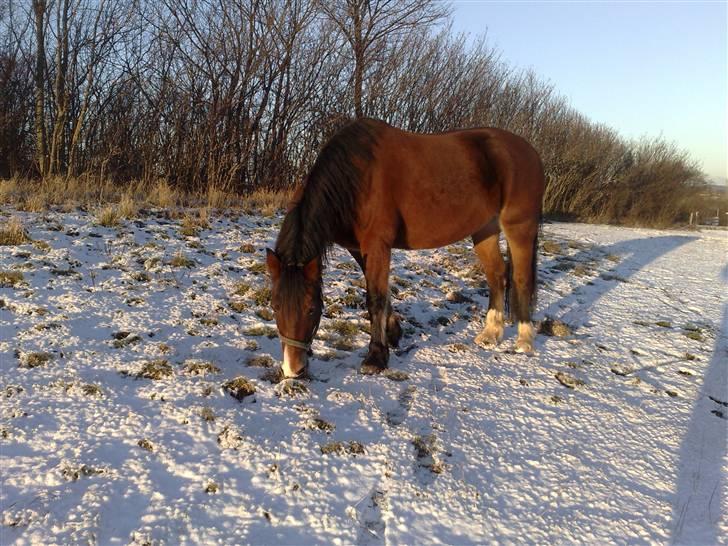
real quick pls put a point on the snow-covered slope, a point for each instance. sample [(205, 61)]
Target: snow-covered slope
[(116, 426)]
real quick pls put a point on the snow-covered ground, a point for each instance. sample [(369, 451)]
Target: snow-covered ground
[(116, 427)]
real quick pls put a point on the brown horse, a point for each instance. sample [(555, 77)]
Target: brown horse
[(374, 188)]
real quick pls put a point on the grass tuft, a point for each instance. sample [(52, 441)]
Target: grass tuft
[(11, 279), (13, 234), (180, 260), (155, 370), (33, 360), (239, 387), (196, 367), (108, 216)]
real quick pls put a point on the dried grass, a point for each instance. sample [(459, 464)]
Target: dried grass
[(12, 233)]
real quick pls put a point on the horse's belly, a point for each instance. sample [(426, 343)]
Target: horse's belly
[(442, 227)]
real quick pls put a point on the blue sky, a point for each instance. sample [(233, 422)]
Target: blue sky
[(642, 67)]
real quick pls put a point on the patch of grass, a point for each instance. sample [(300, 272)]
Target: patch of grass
[(340, 448), (211, 488), (108, 216), (262, 330), (551, 247), (247, 248), (240, 288), (343, 344), (264, 313), (395, 375), (320, 424), (209, 321), (343, 327), (696, 336), (239, 387), (614, 258), (199, 367), (207, 414), (261, 296), (333, 310), (258, 268), (191, 225), (89, 389), (261, 361), (13, 234), (352, 299), (33, 360), (163, 195), (155, 370), (273, 376), (11, 279), (237, 305), (265, 202), (127, 206), (291, 387), (73, 474), (144, 443), (180, 260), (124, 339), (689, 356), (568, 380), (554, 327), (663, 324), (41, 245), (424, 445)]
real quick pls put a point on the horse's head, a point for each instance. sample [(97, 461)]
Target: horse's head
[(297, 303)]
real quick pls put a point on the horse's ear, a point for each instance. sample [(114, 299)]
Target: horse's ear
[(312, 270), (273, 263)]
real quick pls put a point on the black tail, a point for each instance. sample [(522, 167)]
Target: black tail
[(510, 292), (511, 295)]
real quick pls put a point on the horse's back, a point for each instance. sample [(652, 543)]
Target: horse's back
[(440, 188)]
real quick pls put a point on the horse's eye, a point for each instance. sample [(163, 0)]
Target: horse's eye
[(312, 311)]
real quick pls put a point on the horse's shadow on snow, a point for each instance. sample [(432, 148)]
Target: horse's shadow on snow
[(633, 255), (700, 479)]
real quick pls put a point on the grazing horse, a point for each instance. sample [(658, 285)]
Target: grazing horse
[(373, 188)]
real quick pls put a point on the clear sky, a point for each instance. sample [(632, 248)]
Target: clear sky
[(643, 67)]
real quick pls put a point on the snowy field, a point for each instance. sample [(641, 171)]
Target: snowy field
[(118, 424)]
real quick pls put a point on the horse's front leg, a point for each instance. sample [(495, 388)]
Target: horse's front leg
[(394, 330), (377, 277)]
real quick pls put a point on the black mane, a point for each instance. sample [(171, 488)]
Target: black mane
[(328, 202)]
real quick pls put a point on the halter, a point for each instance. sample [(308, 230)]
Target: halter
[(305, 345)]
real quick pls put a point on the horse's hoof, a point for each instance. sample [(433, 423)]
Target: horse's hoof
[(371, 368), (486, 341), (523, 346)]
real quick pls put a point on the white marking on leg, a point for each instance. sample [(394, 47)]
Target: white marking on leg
[(287, 367), (526, 335), (493, 331)]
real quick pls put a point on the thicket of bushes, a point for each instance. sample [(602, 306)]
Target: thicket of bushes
[(238, 95)]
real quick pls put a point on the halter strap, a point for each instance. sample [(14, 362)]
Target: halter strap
[(295, 342), (305, 345)]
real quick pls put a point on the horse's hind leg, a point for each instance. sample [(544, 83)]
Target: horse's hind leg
[(522, 239), (376, 261), (394, 330), (490, 257)]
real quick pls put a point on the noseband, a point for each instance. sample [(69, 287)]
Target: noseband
[(305, 345)]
